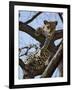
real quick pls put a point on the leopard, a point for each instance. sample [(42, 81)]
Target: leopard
[(37, 63)]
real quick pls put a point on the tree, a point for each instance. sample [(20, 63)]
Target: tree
[(24, 27)]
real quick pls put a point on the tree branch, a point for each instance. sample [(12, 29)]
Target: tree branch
[(30, 20), (27, 49), (21, 63), (60, 15), (58, 34)]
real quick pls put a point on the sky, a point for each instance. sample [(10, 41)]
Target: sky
[(25, 39)]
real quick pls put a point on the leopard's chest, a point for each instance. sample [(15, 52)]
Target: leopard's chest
[(38, 64)]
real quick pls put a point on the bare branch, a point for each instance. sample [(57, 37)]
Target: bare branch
[(21, 63), (27, 49), (60, 15), (30, 20), (58, 34)]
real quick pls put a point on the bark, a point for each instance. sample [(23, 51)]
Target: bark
[(53, 63)]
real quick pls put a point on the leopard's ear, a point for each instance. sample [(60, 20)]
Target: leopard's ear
[(45, 22)]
